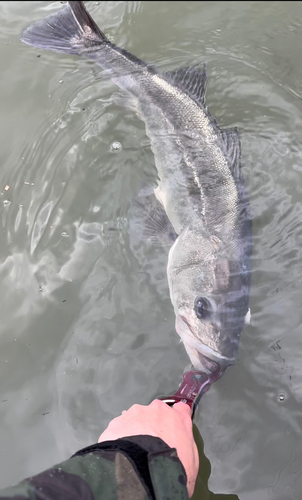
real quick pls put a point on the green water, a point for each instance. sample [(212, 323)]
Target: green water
[(87, 328)]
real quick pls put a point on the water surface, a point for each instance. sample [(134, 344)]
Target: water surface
[(86, 325)]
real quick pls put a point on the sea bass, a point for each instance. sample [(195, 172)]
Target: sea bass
[(200, 190)]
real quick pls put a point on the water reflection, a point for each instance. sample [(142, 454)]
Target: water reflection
[(202, 491)]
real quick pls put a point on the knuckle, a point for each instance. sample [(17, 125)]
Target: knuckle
[(158, 403)]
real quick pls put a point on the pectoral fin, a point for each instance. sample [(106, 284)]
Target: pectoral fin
[(148, 222), (247, 318), (151, 236)]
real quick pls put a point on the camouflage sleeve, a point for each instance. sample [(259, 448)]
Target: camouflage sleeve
[(136, 468)]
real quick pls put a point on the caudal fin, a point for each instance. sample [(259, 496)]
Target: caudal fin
[(71, 30)]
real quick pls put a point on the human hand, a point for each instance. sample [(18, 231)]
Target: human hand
[(173, 425)]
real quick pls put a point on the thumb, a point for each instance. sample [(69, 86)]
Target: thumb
[(183, 409)]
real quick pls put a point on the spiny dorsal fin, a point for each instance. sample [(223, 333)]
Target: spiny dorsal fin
[(192, 81), (232, 150)]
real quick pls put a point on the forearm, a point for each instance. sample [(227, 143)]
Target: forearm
[(137, 467)]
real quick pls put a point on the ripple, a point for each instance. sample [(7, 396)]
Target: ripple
[(81, 305)]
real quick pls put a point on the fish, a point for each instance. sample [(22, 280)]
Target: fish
[(200, 194)]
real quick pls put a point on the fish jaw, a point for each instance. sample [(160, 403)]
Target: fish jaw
[(202, 357)]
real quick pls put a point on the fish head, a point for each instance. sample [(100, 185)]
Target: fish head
[(210, 300)]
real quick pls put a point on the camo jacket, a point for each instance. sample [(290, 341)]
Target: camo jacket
[(132, 468)]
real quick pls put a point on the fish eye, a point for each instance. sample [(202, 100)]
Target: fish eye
[(203, 308)]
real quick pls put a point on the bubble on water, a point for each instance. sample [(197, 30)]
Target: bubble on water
[(115, 146), (281, 397), (6, 203)]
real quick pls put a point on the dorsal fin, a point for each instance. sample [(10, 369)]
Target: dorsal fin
[(192, 81), (232, 150)]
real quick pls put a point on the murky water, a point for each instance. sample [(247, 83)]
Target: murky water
[(86, 326)]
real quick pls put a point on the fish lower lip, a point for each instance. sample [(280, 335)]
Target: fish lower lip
[(212, 363), (210, 366)]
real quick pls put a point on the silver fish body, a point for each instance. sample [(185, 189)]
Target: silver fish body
[(200, 187)]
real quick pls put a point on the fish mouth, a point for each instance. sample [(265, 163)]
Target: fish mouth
[(207, 359), (209, 366)]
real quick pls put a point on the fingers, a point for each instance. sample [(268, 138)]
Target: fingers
[(183, 409)]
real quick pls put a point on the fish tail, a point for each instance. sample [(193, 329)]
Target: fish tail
[(71, 31)]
